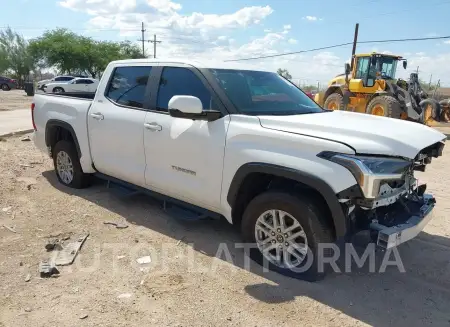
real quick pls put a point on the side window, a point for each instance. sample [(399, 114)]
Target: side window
[(181, 81), (80, 81), (59, 79), (128, 85), (88, 81), (361, 68)]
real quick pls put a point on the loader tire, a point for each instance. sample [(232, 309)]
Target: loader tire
[(386, 106), (431, 110), (445, 110), (334, 101)]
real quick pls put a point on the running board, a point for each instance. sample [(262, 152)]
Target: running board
[(174, 207)]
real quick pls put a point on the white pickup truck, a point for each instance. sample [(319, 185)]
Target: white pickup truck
[(247, 145)]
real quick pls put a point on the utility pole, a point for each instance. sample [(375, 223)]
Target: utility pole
[(154, 45), (143, 40), (429, 84), (417, 71), (355, 40)]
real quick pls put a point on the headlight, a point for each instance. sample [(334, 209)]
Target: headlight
[(370, 171)]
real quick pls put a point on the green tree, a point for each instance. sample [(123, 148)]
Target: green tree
[(59, 48), (71, 53), (284, 73), (4, 64), (14, 55)]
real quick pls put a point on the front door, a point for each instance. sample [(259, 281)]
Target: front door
[(184, 156), (116, 125)]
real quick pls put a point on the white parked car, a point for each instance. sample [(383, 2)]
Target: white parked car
[(58, 79), (289, 174), (75, 85)]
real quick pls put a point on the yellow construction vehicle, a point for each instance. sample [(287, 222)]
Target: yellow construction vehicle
[(369, 86)]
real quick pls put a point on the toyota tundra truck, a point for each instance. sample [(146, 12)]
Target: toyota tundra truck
[(244, 143)]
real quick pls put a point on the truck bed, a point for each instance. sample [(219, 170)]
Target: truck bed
[(68, 108)]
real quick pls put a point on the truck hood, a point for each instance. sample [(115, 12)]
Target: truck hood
[(366, 134)]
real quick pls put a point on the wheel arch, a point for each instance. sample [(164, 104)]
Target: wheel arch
[(56, 130), (334, 88), (242, 190)]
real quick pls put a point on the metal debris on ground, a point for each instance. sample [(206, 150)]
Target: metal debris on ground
[(124, 296), (26, 166), (118, 225), (84, 316), (47, 269), (144, 260), (26, 139), (28, 278), (6, 209), (11, 229), (53, 244), (67, 255)]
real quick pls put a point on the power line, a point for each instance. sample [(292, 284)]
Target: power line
[(342, 45)]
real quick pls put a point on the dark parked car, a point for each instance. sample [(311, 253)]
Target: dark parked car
[(7, 83)]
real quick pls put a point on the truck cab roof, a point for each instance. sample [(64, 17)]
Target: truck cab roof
[(214, 64)]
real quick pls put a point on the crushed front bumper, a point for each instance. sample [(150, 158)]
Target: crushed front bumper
[(394, 235)]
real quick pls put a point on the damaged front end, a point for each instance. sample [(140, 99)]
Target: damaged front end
[(387, 199)]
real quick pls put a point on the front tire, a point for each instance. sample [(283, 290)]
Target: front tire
[(67, 166), (287, 230), (334, 101), (5, 87), (386, 106)]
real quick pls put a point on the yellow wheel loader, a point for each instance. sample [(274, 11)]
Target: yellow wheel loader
[(369, 86)]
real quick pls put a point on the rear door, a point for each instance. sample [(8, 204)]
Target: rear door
[(116, 124)]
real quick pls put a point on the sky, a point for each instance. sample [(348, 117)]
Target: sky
[(232, 29)]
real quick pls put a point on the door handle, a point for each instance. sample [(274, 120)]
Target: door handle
[(153, 127), (97, 115)]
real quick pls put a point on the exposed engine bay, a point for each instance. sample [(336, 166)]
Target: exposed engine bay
[(398, 199)]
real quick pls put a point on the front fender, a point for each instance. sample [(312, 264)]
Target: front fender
[(315, 182)]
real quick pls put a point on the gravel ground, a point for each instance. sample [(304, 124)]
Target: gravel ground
[(185, 284), (14, 100)]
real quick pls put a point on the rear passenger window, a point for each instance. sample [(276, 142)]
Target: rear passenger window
[(128, 85), (181, 81)]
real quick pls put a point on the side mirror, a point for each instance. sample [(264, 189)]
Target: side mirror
[(405, 64), (190, 107), (347, 68), (186, 104)]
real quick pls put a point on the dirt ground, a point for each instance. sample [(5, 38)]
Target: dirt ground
[(185, 284), (14, 100)]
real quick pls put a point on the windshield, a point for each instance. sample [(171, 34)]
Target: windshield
[(387, 66), (263, 93)]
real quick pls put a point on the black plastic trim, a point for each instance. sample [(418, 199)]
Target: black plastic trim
[(62, 124), (339, 219), (207, 115), (352, 192)]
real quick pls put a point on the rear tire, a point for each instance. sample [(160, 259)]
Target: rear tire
[(5, 87), (385, 105), (334, 101), (67, 166), (293, 209)]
